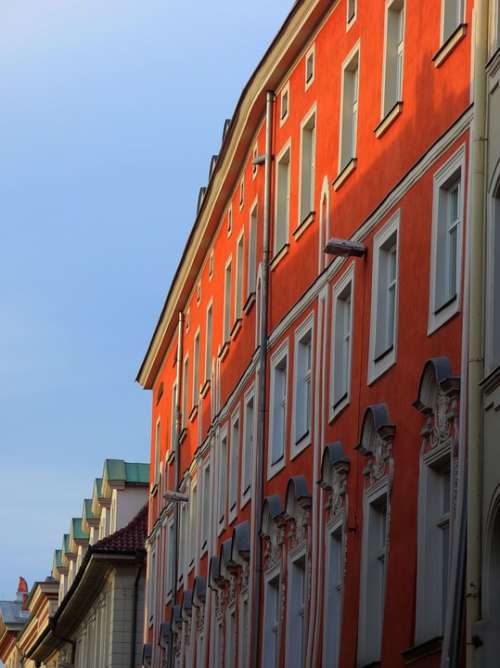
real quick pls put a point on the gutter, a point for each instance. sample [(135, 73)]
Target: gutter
[(264, 306), (475, 363)]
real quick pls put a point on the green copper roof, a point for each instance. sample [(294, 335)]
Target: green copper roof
[(65, 544), (97, 489), (87, 513), (76, 529), (57, 559), (119, 470)]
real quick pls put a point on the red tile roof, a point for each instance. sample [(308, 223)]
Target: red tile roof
[(129, 539)]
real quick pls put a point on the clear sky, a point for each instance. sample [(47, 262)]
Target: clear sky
[(109, 113)]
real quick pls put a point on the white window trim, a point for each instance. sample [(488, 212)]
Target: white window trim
[(293, 557), (312, 113), (221, 520), (246, 496), (284, 90), (254, 208), (388, 5), (241, 193), (152, 580), (305, 327), (196, 390), (309, 53), (229, 222), (371, 496), (338, 524), (442, 39), (345, 64), (339, 287), (276, 357), (157, 438), (243, 660), (286, 147), (207, 357), (422, 599), (167, 594), (204, 540), (185, 392), (324, 225), (377, 368), (275, 573), (233, 512), (255, 153), (351, 22), (238, 269), (193, 520), (455, 163), (491, 224), (226, 336), (211, 262)]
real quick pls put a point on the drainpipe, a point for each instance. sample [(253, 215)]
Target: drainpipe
[(178, 418), (475, 365), (134, 617), (264, 303)]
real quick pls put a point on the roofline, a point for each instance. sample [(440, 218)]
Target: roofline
[(312, 10)]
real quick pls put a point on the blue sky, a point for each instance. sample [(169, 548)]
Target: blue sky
[(109, 113)]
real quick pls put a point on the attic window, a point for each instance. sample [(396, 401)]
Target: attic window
[(310, 68), (255, 153), (285, 100), (229, 221), (198, 293), (242, 192)]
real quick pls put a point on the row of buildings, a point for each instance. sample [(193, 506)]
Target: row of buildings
[(324, 482)]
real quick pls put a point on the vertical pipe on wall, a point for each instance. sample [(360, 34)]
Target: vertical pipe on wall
[(475, 362), (259, 481)]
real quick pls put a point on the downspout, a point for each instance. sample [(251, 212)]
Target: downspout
[(262, 409), (178, 419), (134, 617), (475, 365)]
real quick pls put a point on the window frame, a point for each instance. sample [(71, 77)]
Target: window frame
[(222, 515), (234, 460), (209, 342), (287, 148), (346, 280), (253, 225), (195, 394), (280, 354), (271, 577), (310, 53), (379, 365), (207, 505), (444, 38), (311, 116), (157, 460), (351, 19), (456, 163), (335, 527), (301, 442), (384, 109), (290, 648), (246, 493), (238, 277), (185, 391), (344, 164), (492, 361), (284, 93), (226, 324)]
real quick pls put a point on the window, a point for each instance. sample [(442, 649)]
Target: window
[(252, 251), (233, 475), (309, 73), (193, 524), (249, 418), (349, 121), (351, 12), (218, 646), (384, 300), (255, 155), (169, 560), (173, 418), (222, 480), (307, 152), (211, 264), (342, 343), (185, 390), (303, 385), (238, 300), (243, 627), (394, 46), (229, 221), (183, 540), (242, 192), (446, 245), (493, 283), (207, 495), (278, 412), (157, 453), (282, 200), (230, 638), (284, 103), (208, 342), (453, 16), (200, 651), (433, 546), (152, 585), (270, 646), (324, 225), (196, 369), (334, 595), (198, 293), (373, 579), (295, 623), (227, 302)]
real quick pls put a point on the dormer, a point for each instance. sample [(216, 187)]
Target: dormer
[(90, 522), (78, 540), (122, 480)]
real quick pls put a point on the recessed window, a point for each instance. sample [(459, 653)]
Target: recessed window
[(205, 512), (296, 612), (242, 192), (227, 301), (234, 461), (334, 595), (341, 343), (230, 637), (255, 154), (211, 264), (303, 385), (238, 296), (394, 48), (351, 12), (284, 103), (173, 418), (349, 120), (309, 73), (169, 560), (152, 585), (248, 446), (446, 247), (185, 391), (193, 523), (198, 293), (222, 480), (252, 251), (196, 369), (281, 225), (307, 166), (493, 283), (278, 410), (453, 16), (229, 221), (270, 646), (183, 539), (157, 452), (243, 627), (384, 299), (208, 342)]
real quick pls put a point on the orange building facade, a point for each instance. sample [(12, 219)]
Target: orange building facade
[(307, 421)]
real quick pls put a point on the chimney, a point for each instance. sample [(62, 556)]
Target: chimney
[(22, 592)]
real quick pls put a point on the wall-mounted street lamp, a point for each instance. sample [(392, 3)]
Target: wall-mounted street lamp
[(345, 248), (176, 497)]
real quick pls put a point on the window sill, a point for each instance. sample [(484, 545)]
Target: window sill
[(204, 550), (245, 498), (220, 528), (303, 442), (233, 514), (388, 120), (205, 388), (194, 413), (345, 173), (444, 51), (379, 368), (417, 652), (490, 383), (224, 351), (236, 329), (337, 408), (171, 457), (247, 306), (274, 469), (278, 257), (304, 225), (182, 436), (154, 489), (440, 317)]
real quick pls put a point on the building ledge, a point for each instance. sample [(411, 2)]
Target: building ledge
[(278, 257), (444, 51), (388, 119), (304, 225), (422, 650), (345, 173), (247, 306)]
